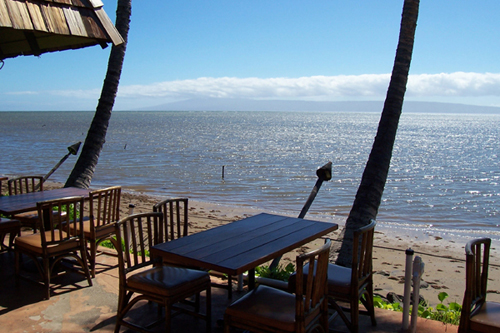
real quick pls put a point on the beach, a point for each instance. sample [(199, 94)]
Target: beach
[(444, 259)]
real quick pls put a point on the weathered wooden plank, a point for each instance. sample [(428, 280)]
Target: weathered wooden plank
[(4, 15), (93, 27), (74, 20), (81, 3), (19, 15), (55, 19), (44, 9), (115, 36), (96, 3), (36, 16), (66, 2)]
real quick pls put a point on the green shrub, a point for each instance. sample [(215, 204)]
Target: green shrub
[(447, 314), (279, 273)]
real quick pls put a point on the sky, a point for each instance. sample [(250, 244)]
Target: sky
[(322, 50)]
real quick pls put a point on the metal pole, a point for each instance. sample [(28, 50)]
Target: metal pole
[(418, 271), (407, 292)]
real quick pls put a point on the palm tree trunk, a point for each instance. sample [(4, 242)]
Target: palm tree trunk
[(83, 171), (369, 195)]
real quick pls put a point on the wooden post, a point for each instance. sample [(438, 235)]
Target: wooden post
[(323, 173)]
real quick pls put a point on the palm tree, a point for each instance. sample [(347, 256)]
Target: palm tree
[(369, 194), (82, 173)]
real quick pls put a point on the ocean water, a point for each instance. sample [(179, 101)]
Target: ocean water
[(444, 174)]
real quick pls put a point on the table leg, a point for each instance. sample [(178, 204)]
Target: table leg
[(251, 279)]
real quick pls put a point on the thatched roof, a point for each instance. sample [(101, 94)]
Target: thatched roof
[(33, 27)]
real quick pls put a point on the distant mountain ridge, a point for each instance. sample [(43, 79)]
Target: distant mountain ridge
[(235, 104)]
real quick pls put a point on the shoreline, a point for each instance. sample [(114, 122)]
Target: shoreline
[(444, 257)]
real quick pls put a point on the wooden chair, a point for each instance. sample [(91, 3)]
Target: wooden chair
[(478, 315), (266, 309), (11, 227), (2, 179), (164, 285), (104, 211), (55, 240), (175, 215), (351, 284), (21, 185)]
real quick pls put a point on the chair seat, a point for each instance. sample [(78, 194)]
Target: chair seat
[(167, 281), (33, 243), (487, 319), (100, 231), (8, 224), (339, 279), (30, 217), (261, 306)]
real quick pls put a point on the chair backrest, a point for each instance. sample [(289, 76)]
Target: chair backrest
[(1, 186), (175, 215), (135, 235), (477, 253), (59, 218), (362, 253), (312, 292), (25, 184), (104, 206)]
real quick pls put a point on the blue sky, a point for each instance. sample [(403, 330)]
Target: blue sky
[(326, 50)]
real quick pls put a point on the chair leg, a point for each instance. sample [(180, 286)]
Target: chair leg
[(371, 307), (85, 266), (46, 276), (197, 302), (17, 263), (227, 324), (122, 303), (92, 256), (208, 305), (354, 316), (168, 317), (324, 315)]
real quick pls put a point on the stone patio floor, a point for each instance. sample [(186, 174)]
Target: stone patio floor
[(76, 307)]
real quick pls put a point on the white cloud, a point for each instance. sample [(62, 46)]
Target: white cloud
[(21, 93), (454, 84), (458, 84), (303, 87)]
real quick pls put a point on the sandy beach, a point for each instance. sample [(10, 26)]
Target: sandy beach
[(444, 259)]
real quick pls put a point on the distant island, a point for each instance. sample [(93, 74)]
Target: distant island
[(236, 104)]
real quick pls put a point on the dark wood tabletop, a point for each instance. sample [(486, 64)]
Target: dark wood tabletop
[(242, 245), (14, 204)]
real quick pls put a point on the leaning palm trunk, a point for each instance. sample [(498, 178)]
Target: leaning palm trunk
[(82, 173), (369, 195)]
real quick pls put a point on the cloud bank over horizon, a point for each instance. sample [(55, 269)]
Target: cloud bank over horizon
[(314, 88)]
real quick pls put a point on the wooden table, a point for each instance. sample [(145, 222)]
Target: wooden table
[(241, 246), (15, 204)]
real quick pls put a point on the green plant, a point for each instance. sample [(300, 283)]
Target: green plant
[(109, 244), (448, 314), (278, 273)]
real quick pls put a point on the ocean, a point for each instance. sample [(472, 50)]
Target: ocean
[(444, 174)]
